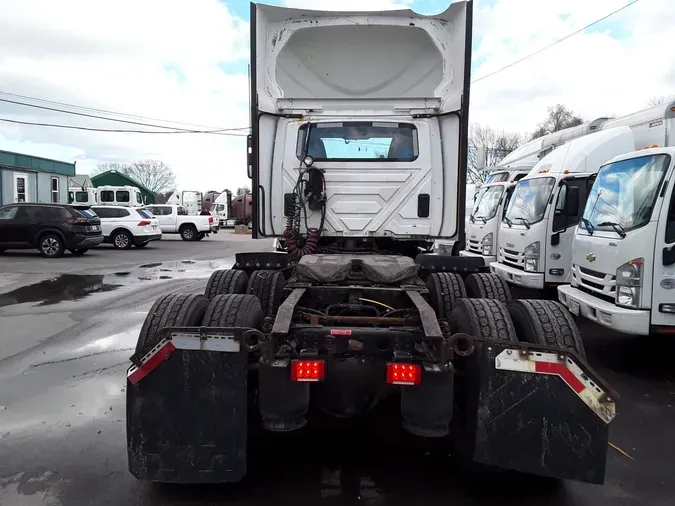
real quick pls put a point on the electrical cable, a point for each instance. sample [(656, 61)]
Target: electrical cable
[(118, 130), (105, 111), (63, 111), (554, 43)]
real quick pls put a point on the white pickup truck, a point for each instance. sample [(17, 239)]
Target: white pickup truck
[(175, 220)]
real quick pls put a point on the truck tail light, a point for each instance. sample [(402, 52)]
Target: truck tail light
[(143, 223), (79, 221), (210, 219), (308, 370), (404, 374)]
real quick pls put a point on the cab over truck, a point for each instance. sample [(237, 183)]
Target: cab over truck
[(358, 162)]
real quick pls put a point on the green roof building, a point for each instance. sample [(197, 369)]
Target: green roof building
[(26, 178), (114, 178)]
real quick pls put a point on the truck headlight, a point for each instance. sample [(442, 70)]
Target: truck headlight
[(486, 244), (629, 283), (532, 257)]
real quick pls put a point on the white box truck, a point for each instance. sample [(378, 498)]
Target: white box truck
[(492, 199), (534, 244), (623, 260)]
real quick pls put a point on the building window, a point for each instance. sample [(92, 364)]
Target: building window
[(55, 190)]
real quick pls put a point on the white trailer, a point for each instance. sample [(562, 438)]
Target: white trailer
[(85, 196), (128, 196)]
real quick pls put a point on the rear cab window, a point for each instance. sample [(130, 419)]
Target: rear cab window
[(358, 141), (81, 197), (107, 196), (122, 196)]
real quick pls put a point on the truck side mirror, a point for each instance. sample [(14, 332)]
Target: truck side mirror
[(249, 156)]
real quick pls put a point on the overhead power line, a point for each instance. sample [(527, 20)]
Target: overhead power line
[(554, 43), (120, 130), (103, 111), (64, 111)]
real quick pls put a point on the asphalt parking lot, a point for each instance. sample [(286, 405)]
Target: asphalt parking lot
[(68, 326)]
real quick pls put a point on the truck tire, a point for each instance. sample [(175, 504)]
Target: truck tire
[(234, 310), (445, 289), (268, 286), (546, 322), (171, 310), (487, 286), (226, 281), (188, 233), (483, 318)]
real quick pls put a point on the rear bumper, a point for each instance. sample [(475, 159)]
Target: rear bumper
[(629, 321), (470, 254), (141, 239), (518, 277), (82, 241)]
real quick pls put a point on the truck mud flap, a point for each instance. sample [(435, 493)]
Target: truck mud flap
[(537, 410), (187, 407)]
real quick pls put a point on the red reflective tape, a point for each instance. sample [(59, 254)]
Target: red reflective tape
[(340, 332), (562, 371), (162, 354)]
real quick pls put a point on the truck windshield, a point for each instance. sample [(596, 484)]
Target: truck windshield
[(624, 193), (487, 202), (529, 200), (497, 177), (359, 141)]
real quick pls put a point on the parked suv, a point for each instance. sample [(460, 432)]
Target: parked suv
[(126, 226), (51, 228)]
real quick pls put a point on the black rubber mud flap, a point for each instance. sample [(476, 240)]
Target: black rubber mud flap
[(187, 417), (536, 410)]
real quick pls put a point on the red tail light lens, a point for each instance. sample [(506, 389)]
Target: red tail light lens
[(78, 220), (404, 374), (210, 219), (308, 370), (143, 223)]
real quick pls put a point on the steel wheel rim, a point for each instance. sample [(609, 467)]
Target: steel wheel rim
[(50, 246), (121, 240)]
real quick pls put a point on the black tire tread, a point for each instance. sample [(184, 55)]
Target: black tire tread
[(268, 286), (546, 322), (233, 310), (171, 310), (226, 281), (483, 318), (445, 288), (482, 285)]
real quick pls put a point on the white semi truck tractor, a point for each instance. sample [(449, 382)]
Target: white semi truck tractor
[(358, 161)]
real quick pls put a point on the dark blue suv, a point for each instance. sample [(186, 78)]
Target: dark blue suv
[(51, 228)]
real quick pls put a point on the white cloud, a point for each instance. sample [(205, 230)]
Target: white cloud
[(152, 58), (613, 71), (159, 58)]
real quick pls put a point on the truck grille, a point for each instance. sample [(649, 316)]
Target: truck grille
[(594, 282), (512, 258), (474, 246)]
